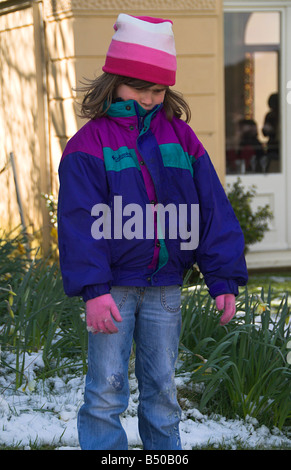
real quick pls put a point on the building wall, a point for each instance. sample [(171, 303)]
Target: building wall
[(17, 115), (22, 120), (55, 44)]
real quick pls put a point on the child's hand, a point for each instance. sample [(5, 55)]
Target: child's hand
[(226, 302), (99, 313)]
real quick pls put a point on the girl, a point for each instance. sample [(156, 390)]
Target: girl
[(140, 166)]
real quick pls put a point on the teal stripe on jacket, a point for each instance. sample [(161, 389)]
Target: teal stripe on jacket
[(172, 154)]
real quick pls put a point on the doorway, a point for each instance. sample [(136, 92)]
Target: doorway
[(254, 48)]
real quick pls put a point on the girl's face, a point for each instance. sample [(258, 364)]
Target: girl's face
[(147, 98)]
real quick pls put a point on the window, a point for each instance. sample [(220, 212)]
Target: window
[(252, 92)]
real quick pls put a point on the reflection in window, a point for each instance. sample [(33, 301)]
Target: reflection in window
[(252, 63)]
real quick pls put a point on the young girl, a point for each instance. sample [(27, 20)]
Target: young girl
[(133, 155)]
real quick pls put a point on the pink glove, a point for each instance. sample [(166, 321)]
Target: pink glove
[(99, 313), (226, 302)]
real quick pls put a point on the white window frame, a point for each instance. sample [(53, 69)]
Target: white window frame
[(284, 7)]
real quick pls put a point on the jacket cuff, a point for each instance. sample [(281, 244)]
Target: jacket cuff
[(222, 286), (90, 292)]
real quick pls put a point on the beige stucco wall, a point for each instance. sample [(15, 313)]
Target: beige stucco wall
[(47, 48), (22, 122), (18, 116)]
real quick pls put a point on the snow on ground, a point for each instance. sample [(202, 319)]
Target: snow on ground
[(45, 413)]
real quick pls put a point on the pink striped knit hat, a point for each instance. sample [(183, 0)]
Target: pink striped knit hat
[(144, 48)]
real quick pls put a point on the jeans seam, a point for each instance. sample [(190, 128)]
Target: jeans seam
[(124, 298), (164, 303), (141, 406)]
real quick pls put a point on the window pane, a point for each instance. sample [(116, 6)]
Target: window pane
[(252, 64)]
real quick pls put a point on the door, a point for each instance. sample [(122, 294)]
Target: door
[(255, 121)]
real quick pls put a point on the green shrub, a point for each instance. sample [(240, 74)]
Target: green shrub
[(254, 224)]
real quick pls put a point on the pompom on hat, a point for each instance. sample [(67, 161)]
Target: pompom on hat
[(143, 47)]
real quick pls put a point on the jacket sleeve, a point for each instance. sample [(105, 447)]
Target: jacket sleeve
[(84, 261), (220, 254)]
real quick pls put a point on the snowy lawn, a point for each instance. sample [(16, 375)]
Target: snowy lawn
[(43, 413)]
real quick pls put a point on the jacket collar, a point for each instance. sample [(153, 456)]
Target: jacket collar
[(131, 108)]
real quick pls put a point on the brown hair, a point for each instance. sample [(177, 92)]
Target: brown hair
[(100, 93)]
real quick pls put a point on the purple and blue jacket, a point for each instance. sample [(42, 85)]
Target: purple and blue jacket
[(147, 160)]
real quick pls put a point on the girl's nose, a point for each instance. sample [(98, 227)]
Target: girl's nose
[(146, 98)]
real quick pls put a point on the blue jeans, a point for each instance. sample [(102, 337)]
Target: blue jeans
[(152, 317)]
